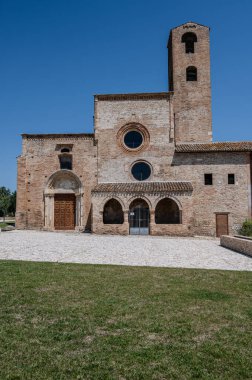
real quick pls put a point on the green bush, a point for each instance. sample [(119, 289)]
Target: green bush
[(246, 229)]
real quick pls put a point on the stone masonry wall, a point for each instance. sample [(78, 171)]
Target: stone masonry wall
[(183, 200), (199, 208), (219, 197), (237, 243), (39, 160), (192, 99), (114, 162)]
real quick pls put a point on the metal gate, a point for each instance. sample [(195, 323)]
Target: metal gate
[(139, 219)]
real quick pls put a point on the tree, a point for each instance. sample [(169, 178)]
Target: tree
[(12, 207), (5, 196)]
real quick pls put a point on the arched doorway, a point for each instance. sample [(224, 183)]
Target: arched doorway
[(139, 217), (113, 212), (63, 201), (167, 212)]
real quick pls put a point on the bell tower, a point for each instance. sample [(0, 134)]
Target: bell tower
[(189, 78)]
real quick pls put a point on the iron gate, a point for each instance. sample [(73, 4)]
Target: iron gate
[(139, 220)]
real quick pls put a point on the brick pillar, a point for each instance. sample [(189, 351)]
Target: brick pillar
[(152, 221)]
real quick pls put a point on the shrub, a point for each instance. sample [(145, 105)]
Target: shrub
[(246, 229)]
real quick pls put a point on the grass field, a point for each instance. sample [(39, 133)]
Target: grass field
[(2, 225), (67, 321)]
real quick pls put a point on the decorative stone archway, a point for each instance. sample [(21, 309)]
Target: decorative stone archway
[(62, 182)]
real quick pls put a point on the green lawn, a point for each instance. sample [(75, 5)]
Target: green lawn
[(2, 225), (6, 224), (67, 321)]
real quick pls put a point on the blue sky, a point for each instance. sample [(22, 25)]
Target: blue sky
[(56, 54)]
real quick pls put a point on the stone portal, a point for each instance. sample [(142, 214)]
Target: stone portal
[(63, 201)]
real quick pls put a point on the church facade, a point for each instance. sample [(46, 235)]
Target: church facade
[(150, 167)]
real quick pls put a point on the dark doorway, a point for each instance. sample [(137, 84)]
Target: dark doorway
[(139, 217)]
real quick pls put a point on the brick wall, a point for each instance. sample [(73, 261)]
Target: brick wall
[(192, 99), (39, 160), (114, 162)]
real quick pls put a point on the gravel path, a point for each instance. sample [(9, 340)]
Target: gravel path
[(120, 250)]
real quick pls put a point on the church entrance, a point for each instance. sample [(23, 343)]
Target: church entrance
[(63, 201), (139, 217), (64, 211)]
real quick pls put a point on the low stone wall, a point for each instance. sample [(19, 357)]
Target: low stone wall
[(111, 229), (170, 230), (237, 243)]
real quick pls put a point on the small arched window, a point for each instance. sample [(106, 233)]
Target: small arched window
[(191, 73), (65, 150), (113, 213), (189, 39)]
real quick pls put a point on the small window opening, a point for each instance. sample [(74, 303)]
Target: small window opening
[(189, 39), (133, 139), (208, 179), (65, 150), (191, 73), (141, 171), (231, 179), (65, 162)]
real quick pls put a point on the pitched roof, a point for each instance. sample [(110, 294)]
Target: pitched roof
[(142, 187), (190, 22), (243, 146)]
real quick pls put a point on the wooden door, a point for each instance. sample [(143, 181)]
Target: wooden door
[(64, 211), (221, 224)]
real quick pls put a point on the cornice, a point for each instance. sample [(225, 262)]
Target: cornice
[(58, 136), (135, 96)]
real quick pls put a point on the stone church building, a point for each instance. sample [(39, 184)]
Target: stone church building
[(150, 167)]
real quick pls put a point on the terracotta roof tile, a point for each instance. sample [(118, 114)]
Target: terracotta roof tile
[(142, 187), (243, 146)]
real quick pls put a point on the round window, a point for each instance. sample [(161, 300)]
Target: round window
[(133, 139), (141, 171)]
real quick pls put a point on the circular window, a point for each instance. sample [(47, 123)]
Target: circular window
[(133, 139), (141, 171)]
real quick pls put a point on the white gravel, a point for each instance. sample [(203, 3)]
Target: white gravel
[(120, 250)]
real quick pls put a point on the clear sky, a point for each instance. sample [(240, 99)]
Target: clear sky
[(56, 54)]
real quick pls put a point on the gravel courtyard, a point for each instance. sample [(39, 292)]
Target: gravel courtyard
[(120, 250)]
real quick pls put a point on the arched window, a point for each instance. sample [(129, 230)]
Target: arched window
[(191, 73), (189, 39), (167, 212), (113, 213), (65, 150)]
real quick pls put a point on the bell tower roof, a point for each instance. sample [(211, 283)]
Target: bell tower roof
[(189, 24)]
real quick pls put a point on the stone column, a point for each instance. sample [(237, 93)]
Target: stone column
[(49, 211), (78, 210)]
